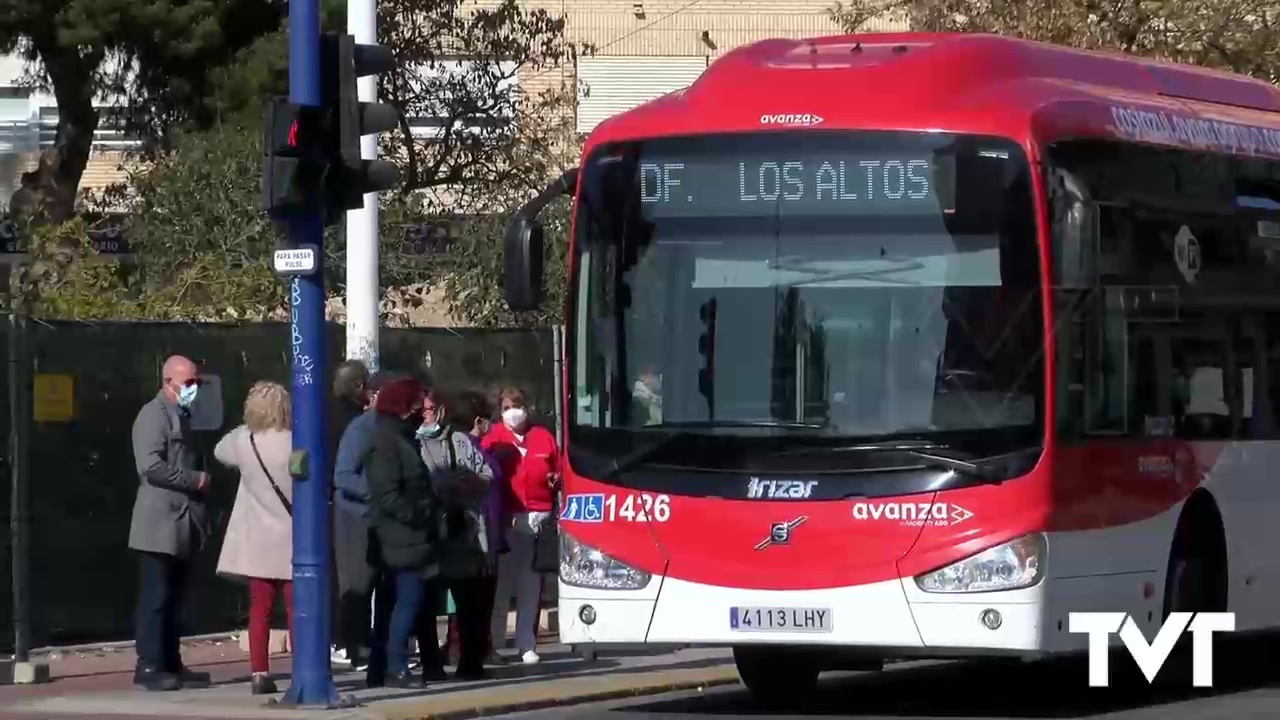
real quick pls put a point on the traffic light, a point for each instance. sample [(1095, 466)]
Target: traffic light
[(707, 348), (349, 177), (293, 165)]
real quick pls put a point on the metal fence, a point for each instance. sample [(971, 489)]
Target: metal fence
[(83, 481)]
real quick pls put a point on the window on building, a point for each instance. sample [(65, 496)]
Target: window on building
[(110, 134), (610, 85)]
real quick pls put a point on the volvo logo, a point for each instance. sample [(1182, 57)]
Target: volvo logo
[(780, 532)]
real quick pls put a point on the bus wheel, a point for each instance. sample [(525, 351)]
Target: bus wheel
[(1196, 581), (775, 675)]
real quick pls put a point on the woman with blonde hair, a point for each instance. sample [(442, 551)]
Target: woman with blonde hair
[(258, 548)]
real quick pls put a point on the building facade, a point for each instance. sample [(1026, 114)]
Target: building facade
[(28, 120), (642, 49)]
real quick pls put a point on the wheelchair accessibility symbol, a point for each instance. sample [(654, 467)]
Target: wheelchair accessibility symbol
[(583, 508)]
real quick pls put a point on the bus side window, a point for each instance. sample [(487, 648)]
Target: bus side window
[(1074, 243), (1108, 373), (1202, 390), (1271, 364), (1253, 380)]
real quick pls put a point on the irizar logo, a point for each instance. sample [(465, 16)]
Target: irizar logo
[(907, 513), (759, 489), (803, 120)]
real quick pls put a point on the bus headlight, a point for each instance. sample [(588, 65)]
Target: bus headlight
[(584, 566), (1016, 564)]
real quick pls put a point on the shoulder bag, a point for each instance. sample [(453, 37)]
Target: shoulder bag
[(288, 506)]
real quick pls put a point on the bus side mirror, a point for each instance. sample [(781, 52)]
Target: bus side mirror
[(523, 246), (522, 260)]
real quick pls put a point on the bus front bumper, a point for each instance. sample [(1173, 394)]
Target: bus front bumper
[(890, 614)]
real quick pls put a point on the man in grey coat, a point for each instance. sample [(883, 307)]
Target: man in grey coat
[(170, 524)]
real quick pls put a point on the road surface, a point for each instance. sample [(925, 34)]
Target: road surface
[(1247, 687)]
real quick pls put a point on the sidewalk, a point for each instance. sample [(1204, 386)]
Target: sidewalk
[(101, 687)]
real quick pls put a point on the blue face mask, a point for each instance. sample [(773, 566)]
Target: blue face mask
[(429, 431), (187, 395)]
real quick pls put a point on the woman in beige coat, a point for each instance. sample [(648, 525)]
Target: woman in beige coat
[(258, 548)]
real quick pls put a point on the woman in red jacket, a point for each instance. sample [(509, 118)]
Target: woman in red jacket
[(527, 454)]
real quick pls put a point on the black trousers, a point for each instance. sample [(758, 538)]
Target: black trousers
[(473, 607), (473, 600), (162, 581), (358, 563)]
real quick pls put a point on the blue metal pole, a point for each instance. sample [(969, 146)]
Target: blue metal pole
[(312, 681)]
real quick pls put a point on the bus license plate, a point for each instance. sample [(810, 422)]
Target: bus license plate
[(780, 619)]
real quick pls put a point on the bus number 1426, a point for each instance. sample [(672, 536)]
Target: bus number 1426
[(637, 508)]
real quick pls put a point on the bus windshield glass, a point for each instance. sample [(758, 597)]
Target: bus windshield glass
[(805, 288)]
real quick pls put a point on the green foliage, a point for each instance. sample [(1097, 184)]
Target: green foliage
[(474, 271), (496, 144), (162, 59), (201, 249), (477, 104), (64, 277), (159, 56), (1238, 35)]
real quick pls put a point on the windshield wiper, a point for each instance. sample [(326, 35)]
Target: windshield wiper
[(942, 462), (927, 452), (993, 468)]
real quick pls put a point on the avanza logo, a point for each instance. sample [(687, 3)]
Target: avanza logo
[(912, 514), (802, 120)]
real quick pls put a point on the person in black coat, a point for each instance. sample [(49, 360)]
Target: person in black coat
[(406, 515), (351, 391)]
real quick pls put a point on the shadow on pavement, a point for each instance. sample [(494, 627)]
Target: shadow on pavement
[(1008, 689), (554, 665), (515, 675)]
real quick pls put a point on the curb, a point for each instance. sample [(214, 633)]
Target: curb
[(127, 644), (720, 678)]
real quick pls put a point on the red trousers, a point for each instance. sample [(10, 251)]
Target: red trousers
[(262, 597)]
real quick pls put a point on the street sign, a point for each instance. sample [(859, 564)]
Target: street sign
[(295, 261)]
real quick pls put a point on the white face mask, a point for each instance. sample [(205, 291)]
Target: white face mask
[(514, 417)]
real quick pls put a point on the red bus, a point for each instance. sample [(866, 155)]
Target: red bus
[(909, 345)]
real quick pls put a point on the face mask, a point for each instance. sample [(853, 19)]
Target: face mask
[(187, 395), (514, 417), (429, 430)]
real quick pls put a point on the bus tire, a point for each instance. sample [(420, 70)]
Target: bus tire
[(776, 675), (1196, 577)]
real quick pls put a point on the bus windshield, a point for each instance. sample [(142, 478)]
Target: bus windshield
[(793, 289)]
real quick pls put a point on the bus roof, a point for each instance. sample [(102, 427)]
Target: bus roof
[(965, 83)]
